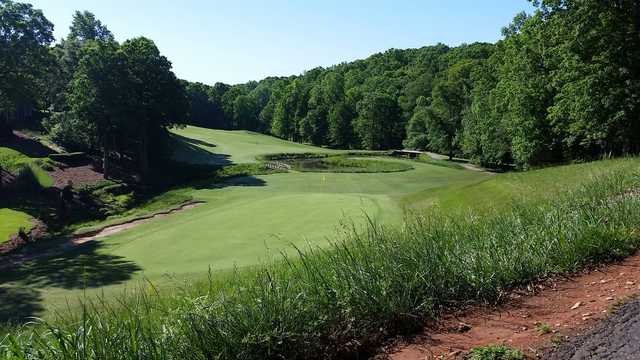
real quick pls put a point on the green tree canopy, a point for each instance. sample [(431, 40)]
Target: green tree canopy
[(24, 58)]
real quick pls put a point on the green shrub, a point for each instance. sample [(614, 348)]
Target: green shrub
[(496, 352), (26, 180), (292, 156), (343, 164), (418, 142), (62, 128)]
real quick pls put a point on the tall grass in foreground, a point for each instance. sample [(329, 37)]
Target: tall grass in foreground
[(342, 301)]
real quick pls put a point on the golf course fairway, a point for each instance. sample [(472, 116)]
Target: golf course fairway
[(242, 222)]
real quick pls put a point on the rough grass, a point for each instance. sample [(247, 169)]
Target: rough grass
[(14, 161), (500, 190), (343, 164), (337, 301), (439, 162), (168, 200), (11, 221)]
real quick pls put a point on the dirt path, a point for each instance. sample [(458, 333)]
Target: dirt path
[(531, 322), (77, 240)]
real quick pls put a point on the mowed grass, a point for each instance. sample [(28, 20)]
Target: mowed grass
[(244, 221), (221, 147), (14, 161), (11, 221), (343, 301)]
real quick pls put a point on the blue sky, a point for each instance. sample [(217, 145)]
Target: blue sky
[(234, 41)]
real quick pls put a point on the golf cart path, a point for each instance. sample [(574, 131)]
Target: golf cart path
[(83, 238), (530, 320)]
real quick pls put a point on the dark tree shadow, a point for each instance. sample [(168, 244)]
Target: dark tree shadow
[(193, 141), (29, 147), (81, 268), (188, 150), (18, 303), (248, 181)]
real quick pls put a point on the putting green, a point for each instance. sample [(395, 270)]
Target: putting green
[(243, 222)]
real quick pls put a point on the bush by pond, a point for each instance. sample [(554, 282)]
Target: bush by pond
[(341, 164)]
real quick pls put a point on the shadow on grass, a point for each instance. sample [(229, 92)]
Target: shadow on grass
[(28, 147), (81, 268), (18, 303), (190, 151), (84, 267), (242, 181)]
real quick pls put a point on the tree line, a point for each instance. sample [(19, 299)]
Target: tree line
[(563, 84), (94, 94)]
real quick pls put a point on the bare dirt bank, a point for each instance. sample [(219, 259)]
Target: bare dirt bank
[(532, 321)]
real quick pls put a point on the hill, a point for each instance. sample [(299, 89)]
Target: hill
[(374, 281), (244, 220)]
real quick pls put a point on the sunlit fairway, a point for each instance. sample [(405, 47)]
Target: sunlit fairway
[(223, 147), (251, 220), (243, 222)]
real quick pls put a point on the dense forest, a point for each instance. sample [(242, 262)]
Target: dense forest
[(563, 84), (88, 92)]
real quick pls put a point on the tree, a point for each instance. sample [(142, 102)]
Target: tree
[(155, 99), (228, 102), (417, 126), (245, 112), (99, 93), (443, 118), (86, 27), (340, 129), (485, 137), (596, 77), (267, 113), (24, 57), (378, 124), (288, 111)]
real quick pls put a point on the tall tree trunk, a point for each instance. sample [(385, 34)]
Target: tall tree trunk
[(144, 155), (106, 164), (636, 14), (5, 127)]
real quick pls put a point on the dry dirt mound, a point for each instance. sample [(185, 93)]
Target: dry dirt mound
[(39, 230), (6, 177), (552, 312), (79, 175)]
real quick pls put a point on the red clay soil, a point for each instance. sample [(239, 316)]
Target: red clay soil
[(80, 175), (15, 242), (569, 306)]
